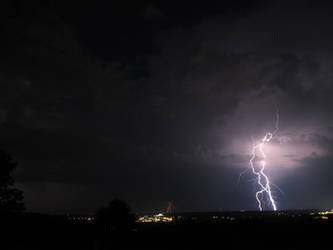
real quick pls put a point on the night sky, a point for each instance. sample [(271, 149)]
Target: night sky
[(157, 101)]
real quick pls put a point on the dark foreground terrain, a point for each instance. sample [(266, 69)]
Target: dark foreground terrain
[(260, 231)]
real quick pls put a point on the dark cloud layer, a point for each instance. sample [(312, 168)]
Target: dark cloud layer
[(164, 107)]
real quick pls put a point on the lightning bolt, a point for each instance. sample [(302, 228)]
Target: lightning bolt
[(262, 178)]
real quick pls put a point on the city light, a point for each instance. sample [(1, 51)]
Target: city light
[(154, 218)]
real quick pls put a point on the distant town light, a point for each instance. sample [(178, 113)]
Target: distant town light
[(155, 218)]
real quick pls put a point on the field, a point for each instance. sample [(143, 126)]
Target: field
[(244, 231)]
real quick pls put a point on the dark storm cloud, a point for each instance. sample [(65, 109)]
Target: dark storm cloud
[(51, 91), (90, 129), (222, 80)]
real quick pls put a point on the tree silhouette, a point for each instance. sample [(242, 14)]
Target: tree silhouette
[(116, 216), (11, 199)]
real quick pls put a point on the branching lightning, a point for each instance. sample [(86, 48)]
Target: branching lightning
[(262, 178)]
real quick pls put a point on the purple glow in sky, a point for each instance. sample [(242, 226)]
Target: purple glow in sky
[(150, 108)]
